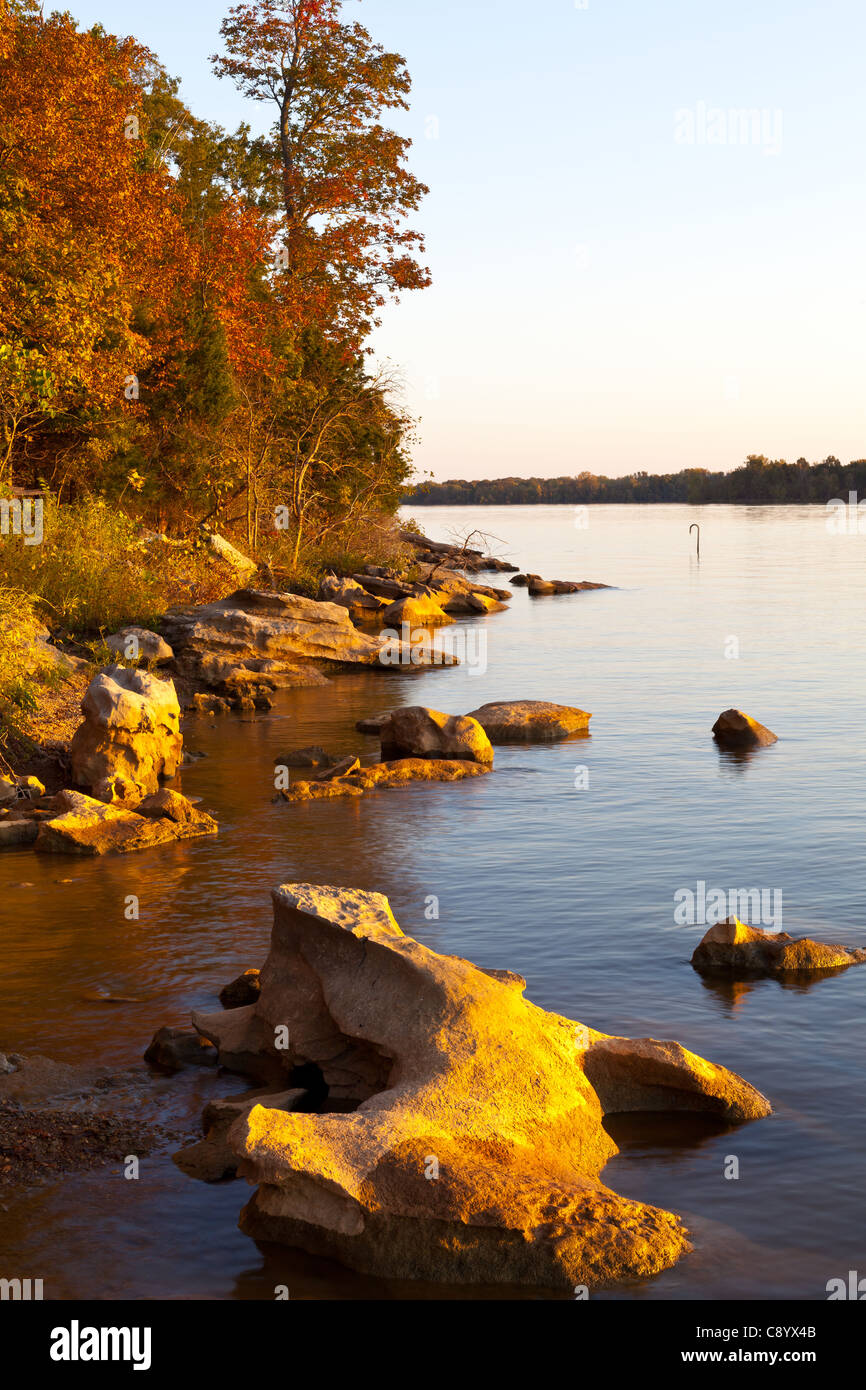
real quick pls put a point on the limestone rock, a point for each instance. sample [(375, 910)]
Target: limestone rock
[(731, 947), (538, 587), (187, 819), (14, 833), (734, 729), (139, 643), (211, 1159), (524, 721), (341, 768), (130, 737), (475, 1146), (362, 606), (242, 991), (373, 724), (251, 626), (418, 612), (172, 1049), (82, 825), (418, 732), (398, 773)]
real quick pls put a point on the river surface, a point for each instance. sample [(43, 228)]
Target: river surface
[(564, 865)]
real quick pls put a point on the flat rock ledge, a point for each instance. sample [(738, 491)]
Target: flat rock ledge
[(397, 773), (457, 1135), (731, 947), (72, 823)]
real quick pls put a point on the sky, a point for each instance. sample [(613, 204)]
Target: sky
[(645, 225)]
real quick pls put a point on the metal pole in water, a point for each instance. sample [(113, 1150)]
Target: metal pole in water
[(695, 527)]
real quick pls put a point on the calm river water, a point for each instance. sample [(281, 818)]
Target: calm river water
[(571, 885)]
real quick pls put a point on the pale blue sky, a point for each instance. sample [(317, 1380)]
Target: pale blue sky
[(614, 288)]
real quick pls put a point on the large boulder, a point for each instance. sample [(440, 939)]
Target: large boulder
[(418, 732), (130, 737), (732, 947), (82, 825), (734, 729), (474, 1141), (524, 721)]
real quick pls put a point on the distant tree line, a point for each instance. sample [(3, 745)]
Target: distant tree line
[(758, 480)]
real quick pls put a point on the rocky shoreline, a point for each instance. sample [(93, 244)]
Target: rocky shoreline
[(421, 1118)]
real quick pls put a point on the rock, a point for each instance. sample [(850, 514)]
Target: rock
[(139, 643), (205, 703), (734, 729), (211, 1159), (305, 757), (45, 656), (242, 991), (130, 737), (418, 612), (31, 787), (187, 819), (521, 580), (474, 1141), (172, 1049), (362, 605), (373, 724), (225, 551), (82, 825), (251, 626), (9, 792), (731, 947), (524, 721), (473, 602), (539, 587), (7, 1066), (17, 832), (390, 774), (340, 769), (418, 732)]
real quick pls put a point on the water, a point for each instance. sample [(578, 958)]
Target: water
[(573, 888)]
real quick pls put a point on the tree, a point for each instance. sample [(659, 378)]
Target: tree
[(336, 172)]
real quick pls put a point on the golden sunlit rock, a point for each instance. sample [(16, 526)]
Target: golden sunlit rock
[(473, 1143), (731, 945)]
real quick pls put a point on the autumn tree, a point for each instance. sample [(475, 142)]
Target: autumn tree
[(336, 171)]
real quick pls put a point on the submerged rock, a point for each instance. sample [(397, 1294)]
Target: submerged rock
[(398, 773), (734, 729), (418, 732), (130, 737), (731, 946), (474, 1149), (523, 721), (538, 587)]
